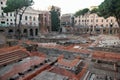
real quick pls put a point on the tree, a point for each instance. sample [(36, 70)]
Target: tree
[(78, 13), (18, 7), (82, 12), (110, 8), (94, 10), (55, 20)]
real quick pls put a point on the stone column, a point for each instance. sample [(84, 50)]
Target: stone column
[(28, 34), (13, 30), (93, 29), (34, 32), (116, 31), (89, 30), (6, 31), (101, 30), (113, 30), (22, 32), (106, 30)]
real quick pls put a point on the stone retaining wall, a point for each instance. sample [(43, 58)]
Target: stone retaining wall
[(111, 49), (44, 40), (57, 52)]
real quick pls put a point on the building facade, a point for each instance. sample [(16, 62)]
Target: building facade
[(45, 21), (67, 20), (33, 21), (2, 18), (92, 23), (29, 23)]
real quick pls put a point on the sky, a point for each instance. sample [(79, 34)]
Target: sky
[(67, 6)]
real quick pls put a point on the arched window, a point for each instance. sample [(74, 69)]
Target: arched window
[(31, 32), (34, 18), (30, 18), (10, 31), (25, 31), (26, 18), (36, 32)]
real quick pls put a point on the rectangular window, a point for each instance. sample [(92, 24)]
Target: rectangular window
[(25, 17), (30, 23), (91, 20), (1, 8), (106, 25), (2, 14), (106, 20), (111, 20), (97, 20), (34, 24), (1, 2), (14, 14), (34, 19), (6, 14), (102, 20), (10, 14), (2, 22), (30, 17), (11, 23)]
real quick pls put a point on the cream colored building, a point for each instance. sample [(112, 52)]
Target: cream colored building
[(30, 17), (30, 23), (95, 24)]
